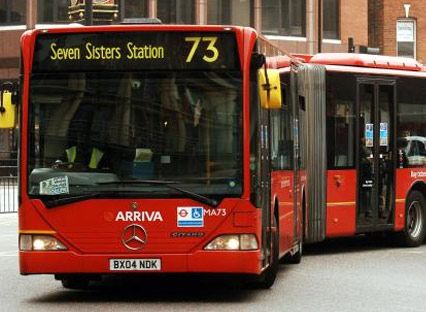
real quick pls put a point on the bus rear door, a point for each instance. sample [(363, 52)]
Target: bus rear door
[(375, 154)]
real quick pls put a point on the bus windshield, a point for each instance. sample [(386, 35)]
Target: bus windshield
[(87, 129)]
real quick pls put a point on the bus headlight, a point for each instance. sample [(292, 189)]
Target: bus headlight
[(28, 242), (233, 242)]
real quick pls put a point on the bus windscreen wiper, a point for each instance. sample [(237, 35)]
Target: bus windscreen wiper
[(170, 184), (51, 201)]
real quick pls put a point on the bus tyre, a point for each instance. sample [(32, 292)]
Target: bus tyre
[(296, 258), (75, 283), (415, 221), (267, 278)]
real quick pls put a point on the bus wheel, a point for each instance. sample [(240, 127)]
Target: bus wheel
[(295, 258), (267, 279), (75, 283), (415, 221)]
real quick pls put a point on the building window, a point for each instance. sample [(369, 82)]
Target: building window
[(176, 11), (331, 19), (284, 17), (12, 12), (52, 11), (235, 12), (135, 8), (406, 38)]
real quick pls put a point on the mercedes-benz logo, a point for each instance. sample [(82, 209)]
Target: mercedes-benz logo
[(134, 237), (134, 205)]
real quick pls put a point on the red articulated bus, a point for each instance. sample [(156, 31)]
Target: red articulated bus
[(145, 149), (365, 144)]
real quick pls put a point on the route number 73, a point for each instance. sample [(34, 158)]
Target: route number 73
[(213, 51)]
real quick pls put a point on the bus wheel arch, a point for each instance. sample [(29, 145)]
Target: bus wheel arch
[(295, 255), (419, 186), (276, 214), (268, 276), (303, 214)]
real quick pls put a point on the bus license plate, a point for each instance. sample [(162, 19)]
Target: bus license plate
[(135, 264)]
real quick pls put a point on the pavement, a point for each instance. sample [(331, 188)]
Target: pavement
[(349, 274)]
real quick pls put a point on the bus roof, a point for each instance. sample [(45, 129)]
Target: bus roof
[(279, 61), (283, 61), (367, 60), (78, 28)]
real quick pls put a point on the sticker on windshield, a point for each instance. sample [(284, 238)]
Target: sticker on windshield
[(369, 135), (55, 186), (384, 134), (190, 216)]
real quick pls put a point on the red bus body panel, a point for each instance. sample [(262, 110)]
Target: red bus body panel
[(367, 60), (282, 194), (341, 203), (342, 184), (92, 230), (93, 235), (405, 180)]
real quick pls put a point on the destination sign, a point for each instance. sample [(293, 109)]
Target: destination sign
[(134, 51)]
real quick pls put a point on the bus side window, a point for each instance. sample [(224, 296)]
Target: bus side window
[(340, 122), (275, 139), (281, 133), (411, 124), (422, 149)]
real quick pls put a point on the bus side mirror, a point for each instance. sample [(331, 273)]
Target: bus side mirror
[(269, 88), (7, 106)]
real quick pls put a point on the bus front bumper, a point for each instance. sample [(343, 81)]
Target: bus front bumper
[(69, 262)]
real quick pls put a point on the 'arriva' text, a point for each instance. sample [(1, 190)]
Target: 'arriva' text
[(149, 216)]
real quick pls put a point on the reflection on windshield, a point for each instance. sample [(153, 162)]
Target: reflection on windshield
[(122, 126), (412, 151)]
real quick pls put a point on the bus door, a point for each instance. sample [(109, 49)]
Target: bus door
[(375, 154), (265, 183), (261, 168)]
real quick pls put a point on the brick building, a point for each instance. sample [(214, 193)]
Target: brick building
[(292, 24), (396, 27), (295, 25)]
